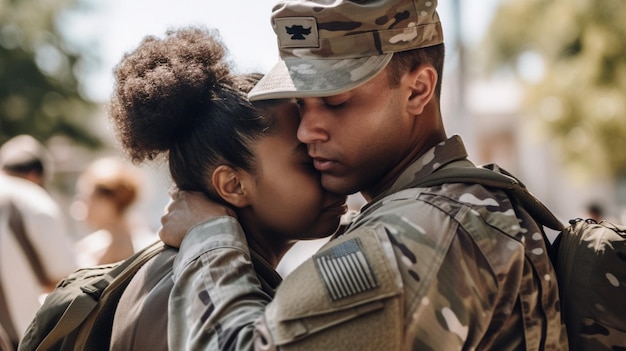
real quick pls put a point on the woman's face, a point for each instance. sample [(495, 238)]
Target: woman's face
[(286, 198), (95, 205)]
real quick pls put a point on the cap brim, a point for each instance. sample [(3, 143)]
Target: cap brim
[(300, 77)]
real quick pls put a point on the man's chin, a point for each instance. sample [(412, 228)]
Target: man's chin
[(338, 185)]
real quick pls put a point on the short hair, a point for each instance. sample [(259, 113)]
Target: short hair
[(24, 154), (406, 61), (114, 179)]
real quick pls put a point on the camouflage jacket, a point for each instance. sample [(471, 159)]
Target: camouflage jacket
[(451, 267)]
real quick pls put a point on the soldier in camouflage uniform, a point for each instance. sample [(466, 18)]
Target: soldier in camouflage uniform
[(457, 266)]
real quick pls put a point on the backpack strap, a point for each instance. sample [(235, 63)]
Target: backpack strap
[(8, 335), (82, 306), (495, 177), (17, 227), (5, 341)]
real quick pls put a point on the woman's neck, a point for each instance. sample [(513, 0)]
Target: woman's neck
[(270, 246)]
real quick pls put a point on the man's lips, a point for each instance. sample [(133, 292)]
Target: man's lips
[(322, 164)]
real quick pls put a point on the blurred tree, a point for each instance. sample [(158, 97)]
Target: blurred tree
[(39, 90), (571, 54)]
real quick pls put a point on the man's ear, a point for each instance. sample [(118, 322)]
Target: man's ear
[(229, 185), (421, 82)]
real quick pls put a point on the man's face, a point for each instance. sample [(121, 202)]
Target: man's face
[(300, 208), (358, 139)]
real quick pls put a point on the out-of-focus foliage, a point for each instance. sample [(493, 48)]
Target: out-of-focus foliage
[(581, 96), (38, 86)]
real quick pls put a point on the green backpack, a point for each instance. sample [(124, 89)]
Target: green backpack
[(78, 313), (589, 259), (591, 269)]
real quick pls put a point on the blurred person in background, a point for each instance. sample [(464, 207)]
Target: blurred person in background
[(106, 192), (25, 157), (35, 247), (595, 211)]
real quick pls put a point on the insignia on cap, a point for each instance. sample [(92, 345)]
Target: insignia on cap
[(345, 270), (297, 32)]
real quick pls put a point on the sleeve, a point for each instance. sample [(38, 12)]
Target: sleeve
[(217, 302), (348, 296), (216, 296)]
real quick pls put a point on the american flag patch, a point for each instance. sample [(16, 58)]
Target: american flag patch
[(345, 270)]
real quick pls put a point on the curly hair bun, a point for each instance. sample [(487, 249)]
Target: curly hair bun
[(164, 84)]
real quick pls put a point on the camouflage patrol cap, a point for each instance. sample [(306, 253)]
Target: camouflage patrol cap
[(328, 47)]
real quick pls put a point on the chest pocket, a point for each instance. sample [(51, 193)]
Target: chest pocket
[(346, 297)]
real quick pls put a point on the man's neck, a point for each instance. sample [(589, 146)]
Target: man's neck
[(419, 148)]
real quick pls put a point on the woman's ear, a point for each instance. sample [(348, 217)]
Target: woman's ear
[(422, 82), (229, 185)]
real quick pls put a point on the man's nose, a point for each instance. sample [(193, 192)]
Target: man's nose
[(313, 127)]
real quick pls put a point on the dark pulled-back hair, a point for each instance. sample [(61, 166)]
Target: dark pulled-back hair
[(176, 98)]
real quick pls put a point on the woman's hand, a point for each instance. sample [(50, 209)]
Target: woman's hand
[(185, 210)]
